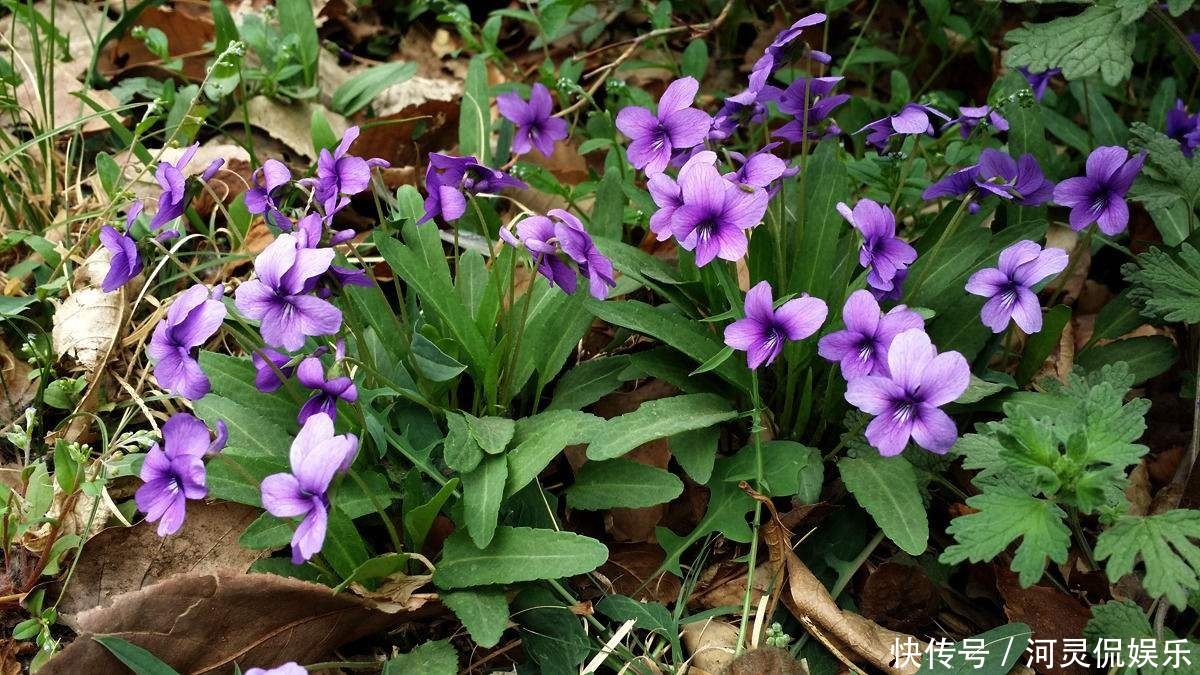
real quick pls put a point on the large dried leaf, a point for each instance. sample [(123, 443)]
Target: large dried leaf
[(208, 543), (205, 623)]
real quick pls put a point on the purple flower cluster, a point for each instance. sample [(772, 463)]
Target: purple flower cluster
[(341, 175), (1009, 287), (191, 320), (1021, 181), (764, 330), (560, 246), (885, 255), (1099, 195), (449, 180), (316, 456), (281, 296), (174, 472), (175, 190)]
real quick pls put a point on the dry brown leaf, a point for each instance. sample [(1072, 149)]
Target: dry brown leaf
[(1138, 491), (17, 391), (68, 108), (733, 591), (1050, 613), (391, 137), (89, 320), (289, 124), (10, 662), (189, 38), (208, 543), (709, 645), (899, 597), (847, 634), (205, 623), (767, 660), (629, 569)]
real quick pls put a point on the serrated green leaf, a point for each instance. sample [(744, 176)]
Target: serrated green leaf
[(1003, 516), (621, 483), (1093, 41), (1165, 288), (1126, 623), (430, 658), (516, 554), (658, 419), (483, 490), (887, 488), (482, 611), (460, 450), (491, 433), (1163, 543)]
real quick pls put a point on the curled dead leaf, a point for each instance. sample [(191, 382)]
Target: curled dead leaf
[(89, 320), (208, 622)]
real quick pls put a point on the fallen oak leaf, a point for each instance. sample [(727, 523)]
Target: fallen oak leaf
[(207, 623)]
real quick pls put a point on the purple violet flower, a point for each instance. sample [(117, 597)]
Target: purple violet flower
[(997, 173), (861, 348), (173, 475), (326, 392), (1039, 81), (1184, 127), (124, 262), (191, 320), (715, 214), (666, 193), (1194, 39), (269, 366), (746, 107), (316, 455), (809, 108), (761, 168), (912, 119), (289, 668), (676, 126), (1009, 287), (883, 253), (907, 401), (262, 195), (340, 173), (536, 128), (764, 330), (784, 49), (1099, 195), (280, 295), (173, 200), (971, 117), (545, 237), (449, 179)]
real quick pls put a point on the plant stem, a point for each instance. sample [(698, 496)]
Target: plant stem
[(397, 543), (857, 38), (755, 431), (937, 246)]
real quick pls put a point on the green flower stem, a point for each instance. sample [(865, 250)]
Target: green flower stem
[(397, 543), (951, 228)]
